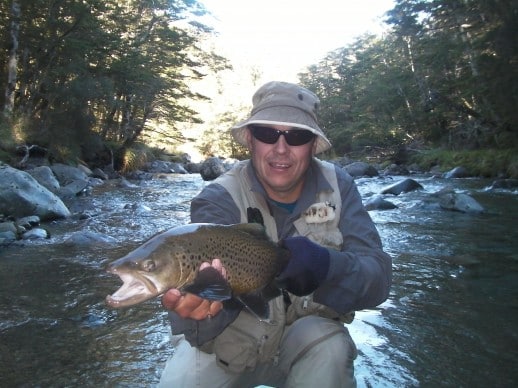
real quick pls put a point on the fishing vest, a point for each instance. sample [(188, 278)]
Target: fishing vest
[(320, 224)]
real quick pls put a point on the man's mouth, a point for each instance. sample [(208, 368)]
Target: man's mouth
[(280, 166)]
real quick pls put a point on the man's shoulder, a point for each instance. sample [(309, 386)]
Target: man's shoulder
[(342, 176)]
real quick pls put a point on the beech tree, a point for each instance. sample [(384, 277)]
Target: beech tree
[(77, 68), (445, 73)]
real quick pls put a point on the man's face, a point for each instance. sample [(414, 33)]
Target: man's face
[(280, 167)]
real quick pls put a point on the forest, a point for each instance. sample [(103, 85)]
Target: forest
[(87, 79)]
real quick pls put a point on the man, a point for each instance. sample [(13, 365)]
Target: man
[(336, 265)]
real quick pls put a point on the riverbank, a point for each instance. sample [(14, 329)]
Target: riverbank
[(483, 163)]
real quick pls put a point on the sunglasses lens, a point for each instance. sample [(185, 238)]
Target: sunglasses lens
[(265, 134), (294, 137)]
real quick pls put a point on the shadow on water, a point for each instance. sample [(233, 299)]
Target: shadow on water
[(450, 320)]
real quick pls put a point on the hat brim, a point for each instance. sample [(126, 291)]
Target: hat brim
[(291, 117)]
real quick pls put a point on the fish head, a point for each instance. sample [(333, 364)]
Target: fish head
[(146, 272)]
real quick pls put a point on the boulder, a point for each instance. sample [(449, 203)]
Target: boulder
[(377, 202), (212, 168), (21, 195), (457, 172), (403, 186), (66, 174), (357, 169), (45, 177), (450, 200)]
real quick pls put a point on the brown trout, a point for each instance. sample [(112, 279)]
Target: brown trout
[(172, 259)]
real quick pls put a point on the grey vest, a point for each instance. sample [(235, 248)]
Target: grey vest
[(320, 224)]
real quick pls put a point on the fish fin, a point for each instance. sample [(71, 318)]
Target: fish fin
[(233, 304), (256, 305), (253, 229), (270, 291), (254, 215), (210, 284)]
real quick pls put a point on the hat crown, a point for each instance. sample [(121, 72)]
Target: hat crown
[(276, 94)]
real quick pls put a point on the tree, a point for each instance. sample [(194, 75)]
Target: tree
[(445, 73), (104, 68)]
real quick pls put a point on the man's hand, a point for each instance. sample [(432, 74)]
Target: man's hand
[(307, 268), (190, 305)]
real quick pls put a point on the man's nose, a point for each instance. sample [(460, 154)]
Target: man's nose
[(281, 146)]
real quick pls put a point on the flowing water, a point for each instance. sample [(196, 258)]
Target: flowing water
[(450, 320)]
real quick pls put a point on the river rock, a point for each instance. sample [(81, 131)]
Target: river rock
[(377, 202), (74, 188), (357, 169), (8, 226), (403, 186), (396, 169), (66, 174), (507, 184), (28, 222), (98, 173), (457, 172), (45, 177), (7, 237), (450, 200), (88, 238), (35, 234), (212, 168), (21, 195)]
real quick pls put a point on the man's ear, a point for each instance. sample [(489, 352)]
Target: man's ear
[(248, 138), (314, 148)]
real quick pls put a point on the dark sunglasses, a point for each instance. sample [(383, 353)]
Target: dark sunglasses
[(294, 137)]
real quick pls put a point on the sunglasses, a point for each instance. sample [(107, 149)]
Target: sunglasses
[(294, 137)]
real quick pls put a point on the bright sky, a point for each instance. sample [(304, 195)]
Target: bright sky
[(282, 37), (276, 39)]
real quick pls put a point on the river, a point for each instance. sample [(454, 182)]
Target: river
[(451, 319)]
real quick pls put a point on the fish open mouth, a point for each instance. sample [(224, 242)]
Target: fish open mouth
[(134, 290)]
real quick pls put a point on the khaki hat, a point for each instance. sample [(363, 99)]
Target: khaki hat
[(283, 103)]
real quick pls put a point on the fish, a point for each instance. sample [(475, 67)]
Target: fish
[(171, 259)]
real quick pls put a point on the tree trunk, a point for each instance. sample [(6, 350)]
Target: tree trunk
[(12, 60)]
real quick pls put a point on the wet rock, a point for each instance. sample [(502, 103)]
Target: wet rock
[(450, 200), (74, 188), (457, 172), (45, 177), (98, 173), (507, 184), (28, 222), (212, 168), (138, 208), (377, 202), (396, 169), (124, 183), (403, 186), (161, 166), (357, 169), (66, 174), (35, 234), (7, 237), (21, 195), (88, 238)]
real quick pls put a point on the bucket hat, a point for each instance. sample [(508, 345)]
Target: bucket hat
[(284, 103)]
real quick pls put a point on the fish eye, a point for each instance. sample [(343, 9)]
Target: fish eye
[(149, 265)]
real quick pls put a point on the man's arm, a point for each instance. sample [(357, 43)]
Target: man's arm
[(360, 275)]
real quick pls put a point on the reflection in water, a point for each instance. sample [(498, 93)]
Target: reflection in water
[(450, 320)]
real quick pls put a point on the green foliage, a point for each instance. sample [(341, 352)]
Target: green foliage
[(134, 157), (103, 67), (483, 163), (445, 74)]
